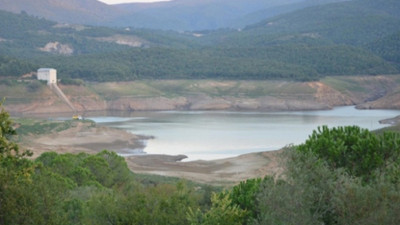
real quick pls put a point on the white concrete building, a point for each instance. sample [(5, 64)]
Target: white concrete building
[(48, 74)]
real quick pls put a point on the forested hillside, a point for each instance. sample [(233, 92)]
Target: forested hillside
[(191, 15), (387, 47), (356, 22), (70, 11), (347, 38), (15, 67), (179, 15)]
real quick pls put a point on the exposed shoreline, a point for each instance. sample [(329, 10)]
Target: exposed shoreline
[(217, 172), (365, 92), (378, 92), (88, 138), (83, 138)]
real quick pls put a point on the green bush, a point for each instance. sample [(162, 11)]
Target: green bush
[(222, 212), (244, 195), (357, 150)]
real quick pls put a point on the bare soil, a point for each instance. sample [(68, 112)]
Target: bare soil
[(364, 91), (83, 138), (217, 172)]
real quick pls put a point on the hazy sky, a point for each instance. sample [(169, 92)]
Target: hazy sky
[(126, 1)]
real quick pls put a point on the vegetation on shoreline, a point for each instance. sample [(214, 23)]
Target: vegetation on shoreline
[(27, 126)]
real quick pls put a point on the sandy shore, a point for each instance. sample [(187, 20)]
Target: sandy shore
[(218, 172), (84, 138)]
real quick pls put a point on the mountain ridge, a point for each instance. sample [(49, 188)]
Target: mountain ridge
[(71, 11), (173, 15)]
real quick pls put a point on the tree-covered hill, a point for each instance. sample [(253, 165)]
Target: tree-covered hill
[(298, 62), (25, 36), (347, 38), (388, 47), (177, 15), (14, 67), (356, 22), (192, 15), (70, 11)]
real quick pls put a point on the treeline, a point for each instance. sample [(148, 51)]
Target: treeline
[(344, 175), (292, 62), (15, 67)]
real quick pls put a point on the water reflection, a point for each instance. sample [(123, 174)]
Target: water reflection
[(211, 135)]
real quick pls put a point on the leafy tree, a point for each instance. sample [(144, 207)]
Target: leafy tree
[(244, 195), (15, 173), (222, 212), (344, 175), (357, 150), (281, 202)]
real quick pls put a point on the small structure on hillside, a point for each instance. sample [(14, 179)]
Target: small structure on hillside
[(48, 74)]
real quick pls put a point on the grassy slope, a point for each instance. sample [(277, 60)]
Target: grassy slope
[(18, 92), (361, 86), (213, 88)]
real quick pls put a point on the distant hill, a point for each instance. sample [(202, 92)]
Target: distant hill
[(22, 35), (356, 22), (359, 37), (173, 15), (208, 14), (193, 14), (70, 11)]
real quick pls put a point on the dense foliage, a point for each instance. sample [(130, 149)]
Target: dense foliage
[(343, 175), (295, 62), (14, 67), (357, 37), (388, 47), (357, 150)]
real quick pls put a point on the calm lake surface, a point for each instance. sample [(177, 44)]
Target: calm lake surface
[(213, 135)]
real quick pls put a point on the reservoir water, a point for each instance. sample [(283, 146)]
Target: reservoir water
[(212, 135)]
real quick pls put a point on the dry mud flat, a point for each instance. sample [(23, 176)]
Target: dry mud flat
[(84, 138), (218, 172)]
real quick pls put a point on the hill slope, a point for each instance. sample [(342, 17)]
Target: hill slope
[(356, 22), (206, 14), (176, 15), (70, 11), (292, 46)]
